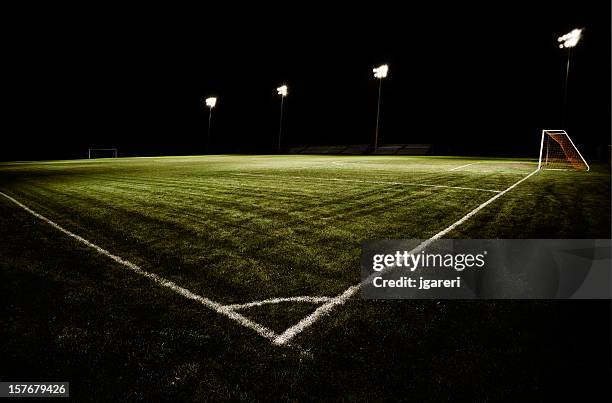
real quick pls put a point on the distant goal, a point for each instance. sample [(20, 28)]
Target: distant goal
[(102, 153), (558, 152)]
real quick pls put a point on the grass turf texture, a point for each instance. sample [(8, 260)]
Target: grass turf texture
[(243, 228)]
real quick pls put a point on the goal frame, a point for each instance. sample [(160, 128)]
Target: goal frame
[(559, 131), (114, 150)]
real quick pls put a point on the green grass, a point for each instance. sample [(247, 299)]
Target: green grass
[(242, 228)]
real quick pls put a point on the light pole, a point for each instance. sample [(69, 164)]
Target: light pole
[(282, 91), (380, 72), (568, 41), (210, 102)]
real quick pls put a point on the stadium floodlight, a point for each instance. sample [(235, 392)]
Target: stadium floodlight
[(380, 72), (211, 102), (568, 41), (282, 91)]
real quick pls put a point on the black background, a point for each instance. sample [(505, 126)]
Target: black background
[(468, 78)]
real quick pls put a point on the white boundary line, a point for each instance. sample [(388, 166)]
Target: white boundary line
[(463, 166), (492, 162), (310, 300), (315, 178), (324, 309), (215, 306)]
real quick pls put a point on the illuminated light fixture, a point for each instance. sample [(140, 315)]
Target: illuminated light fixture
[(570, 39), (283, 90), (381, 71), (211, 102)]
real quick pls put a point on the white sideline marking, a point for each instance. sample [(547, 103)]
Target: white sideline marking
[(463, 166), (509, 162), (310, 300), (492, 162), (215, 306), (364, 181), (349, 292)]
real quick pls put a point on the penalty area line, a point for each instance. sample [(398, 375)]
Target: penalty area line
[(327, 307), (215, 306)]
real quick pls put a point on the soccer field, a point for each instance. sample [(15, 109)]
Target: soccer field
[(222, 250)]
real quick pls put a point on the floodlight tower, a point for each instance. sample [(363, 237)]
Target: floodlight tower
[(282, 91), (568, 41), (210, 102), (380, 72)]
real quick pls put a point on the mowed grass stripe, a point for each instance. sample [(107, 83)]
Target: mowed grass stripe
[(301, 248), (202, 197), (374, 182), (337, 206), (282, 253), (411, 171), (293, 184), (167, 207), (246, 240), (409, 174), (227, 204), (220, 189), (248, 200)]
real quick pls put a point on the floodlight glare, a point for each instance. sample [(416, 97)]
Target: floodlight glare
[(570, 39), (282, 90), (381, 71), (211, 102)]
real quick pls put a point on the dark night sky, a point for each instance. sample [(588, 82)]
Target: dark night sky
[(469, 79)]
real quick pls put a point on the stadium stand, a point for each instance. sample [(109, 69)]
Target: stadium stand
[(357, 149)]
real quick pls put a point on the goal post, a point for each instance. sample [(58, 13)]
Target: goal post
[(558, 152), (102, 153)]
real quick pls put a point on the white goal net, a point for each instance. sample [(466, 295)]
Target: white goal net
[(557, 151), (102, 153)]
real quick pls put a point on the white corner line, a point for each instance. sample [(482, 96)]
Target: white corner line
[(314, 178), (324, 309), (215, 306), (305, 299)]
